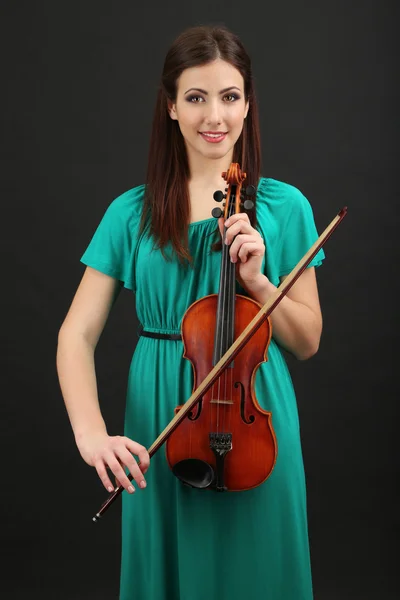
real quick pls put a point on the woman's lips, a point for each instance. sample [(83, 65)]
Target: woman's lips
[(213, 138)]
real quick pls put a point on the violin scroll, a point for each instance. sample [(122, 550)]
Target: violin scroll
[(234, 193)]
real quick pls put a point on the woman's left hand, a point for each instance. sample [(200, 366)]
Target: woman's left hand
[(246, 250)]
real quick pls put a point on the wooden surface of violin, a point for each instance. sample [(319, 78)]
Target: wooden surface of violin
[(229, 412)]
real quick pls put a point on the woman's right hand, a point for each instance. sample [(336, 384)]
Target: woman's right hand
[(103, 451)]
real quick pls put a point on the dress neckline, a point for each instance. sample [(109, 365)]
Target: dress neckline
[(202, 221)]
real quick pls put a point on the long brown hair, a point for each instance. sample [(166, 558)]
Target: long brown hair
[(166, 206)]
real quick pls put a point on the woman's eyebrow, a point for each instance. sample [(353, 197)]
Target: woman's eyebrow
[(232, 87)]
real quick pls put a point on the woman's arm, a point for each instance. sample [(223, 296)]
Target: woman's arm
[(77, 341), (297, 320)]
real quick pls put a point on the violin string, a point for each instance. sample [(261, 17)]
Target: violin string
[(225, 258), (229, 372), (227, 321), (227, 287), (228, 324), (223, 293), (217, 349), (228, 307), (229, 300), (232, 290)]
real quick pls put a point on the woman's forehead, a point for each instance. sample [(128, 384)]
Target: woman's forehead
[(212, 77)]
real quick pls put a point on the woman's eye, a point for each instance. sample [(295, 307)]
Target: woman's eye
[(192, 98), (232, 96)]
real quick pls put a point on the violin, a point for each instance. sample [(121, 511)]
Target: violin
[(208, 464), (227, 442)]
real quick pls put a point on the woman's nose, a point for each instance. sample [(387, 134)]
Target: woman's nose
[(213, 112)]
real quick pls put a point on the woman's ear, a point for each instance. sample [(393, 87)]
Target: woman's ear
[(172, 110), (246, 109)]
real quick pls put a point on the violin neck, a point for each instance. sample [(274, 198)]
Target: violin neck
[(225, 321)]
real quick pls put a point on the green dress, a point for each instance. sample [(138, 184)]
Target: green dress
[(179, 543)]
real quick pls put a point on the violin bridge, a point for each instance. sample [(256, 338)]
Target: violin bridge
[(217, 401)]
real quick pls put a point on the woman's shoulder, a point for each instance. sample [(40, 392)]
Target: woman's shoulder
[(282, 203), (129, 203), (125, 210), (278, 195)]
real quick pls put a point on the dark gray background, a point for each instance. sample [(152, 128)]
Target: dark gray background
[(79, 83)]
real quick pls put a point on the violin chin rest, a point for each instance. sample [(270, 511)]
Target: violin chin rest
[(194, 472)]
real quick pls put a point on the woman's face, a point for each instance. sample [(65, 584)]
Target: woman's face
[(210, 108)]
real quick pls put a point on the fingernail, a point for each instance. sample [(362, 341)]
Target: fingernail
[(143, 484), (131, 489), (110, 489)]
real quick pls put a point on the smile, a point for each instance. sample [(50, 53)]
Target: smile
[(213, 138)]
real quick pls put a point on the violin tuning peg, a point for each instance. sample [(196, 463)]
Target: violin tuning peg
[(250, 190), (217, 212), (218, 196), (248, 205)]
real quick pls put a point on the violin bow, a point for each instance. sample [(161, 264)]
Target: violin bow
[(238, 344)]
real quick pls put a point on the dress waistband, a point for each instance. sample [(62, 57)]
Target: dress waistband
[(159, 335)]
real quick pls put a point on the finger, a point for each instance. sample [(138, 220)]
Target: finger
[(237, 217), (249, 249), (126, 457), (239, 227), (140, 451), (102, 473), (238, 243), (115, 466), (117, 481)]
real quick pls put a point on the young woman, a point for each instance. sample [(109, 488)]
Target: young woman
[(158, 240)]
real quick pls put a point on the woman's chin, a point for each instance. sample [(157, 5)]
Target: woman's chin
[(216, 153)]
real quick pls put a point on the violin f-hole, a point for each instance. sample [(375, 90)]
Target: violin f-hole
[(194, 414), (243, 403)]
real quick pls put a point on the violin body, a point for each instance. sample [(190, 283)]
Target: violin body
[(227, 429)]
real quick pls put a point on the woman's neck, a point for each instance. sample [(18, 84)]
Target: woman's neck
[(206, 172)]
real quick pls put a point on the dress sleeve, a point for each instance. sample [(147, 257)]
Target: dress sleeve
[(286, 222), (113, 246)]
